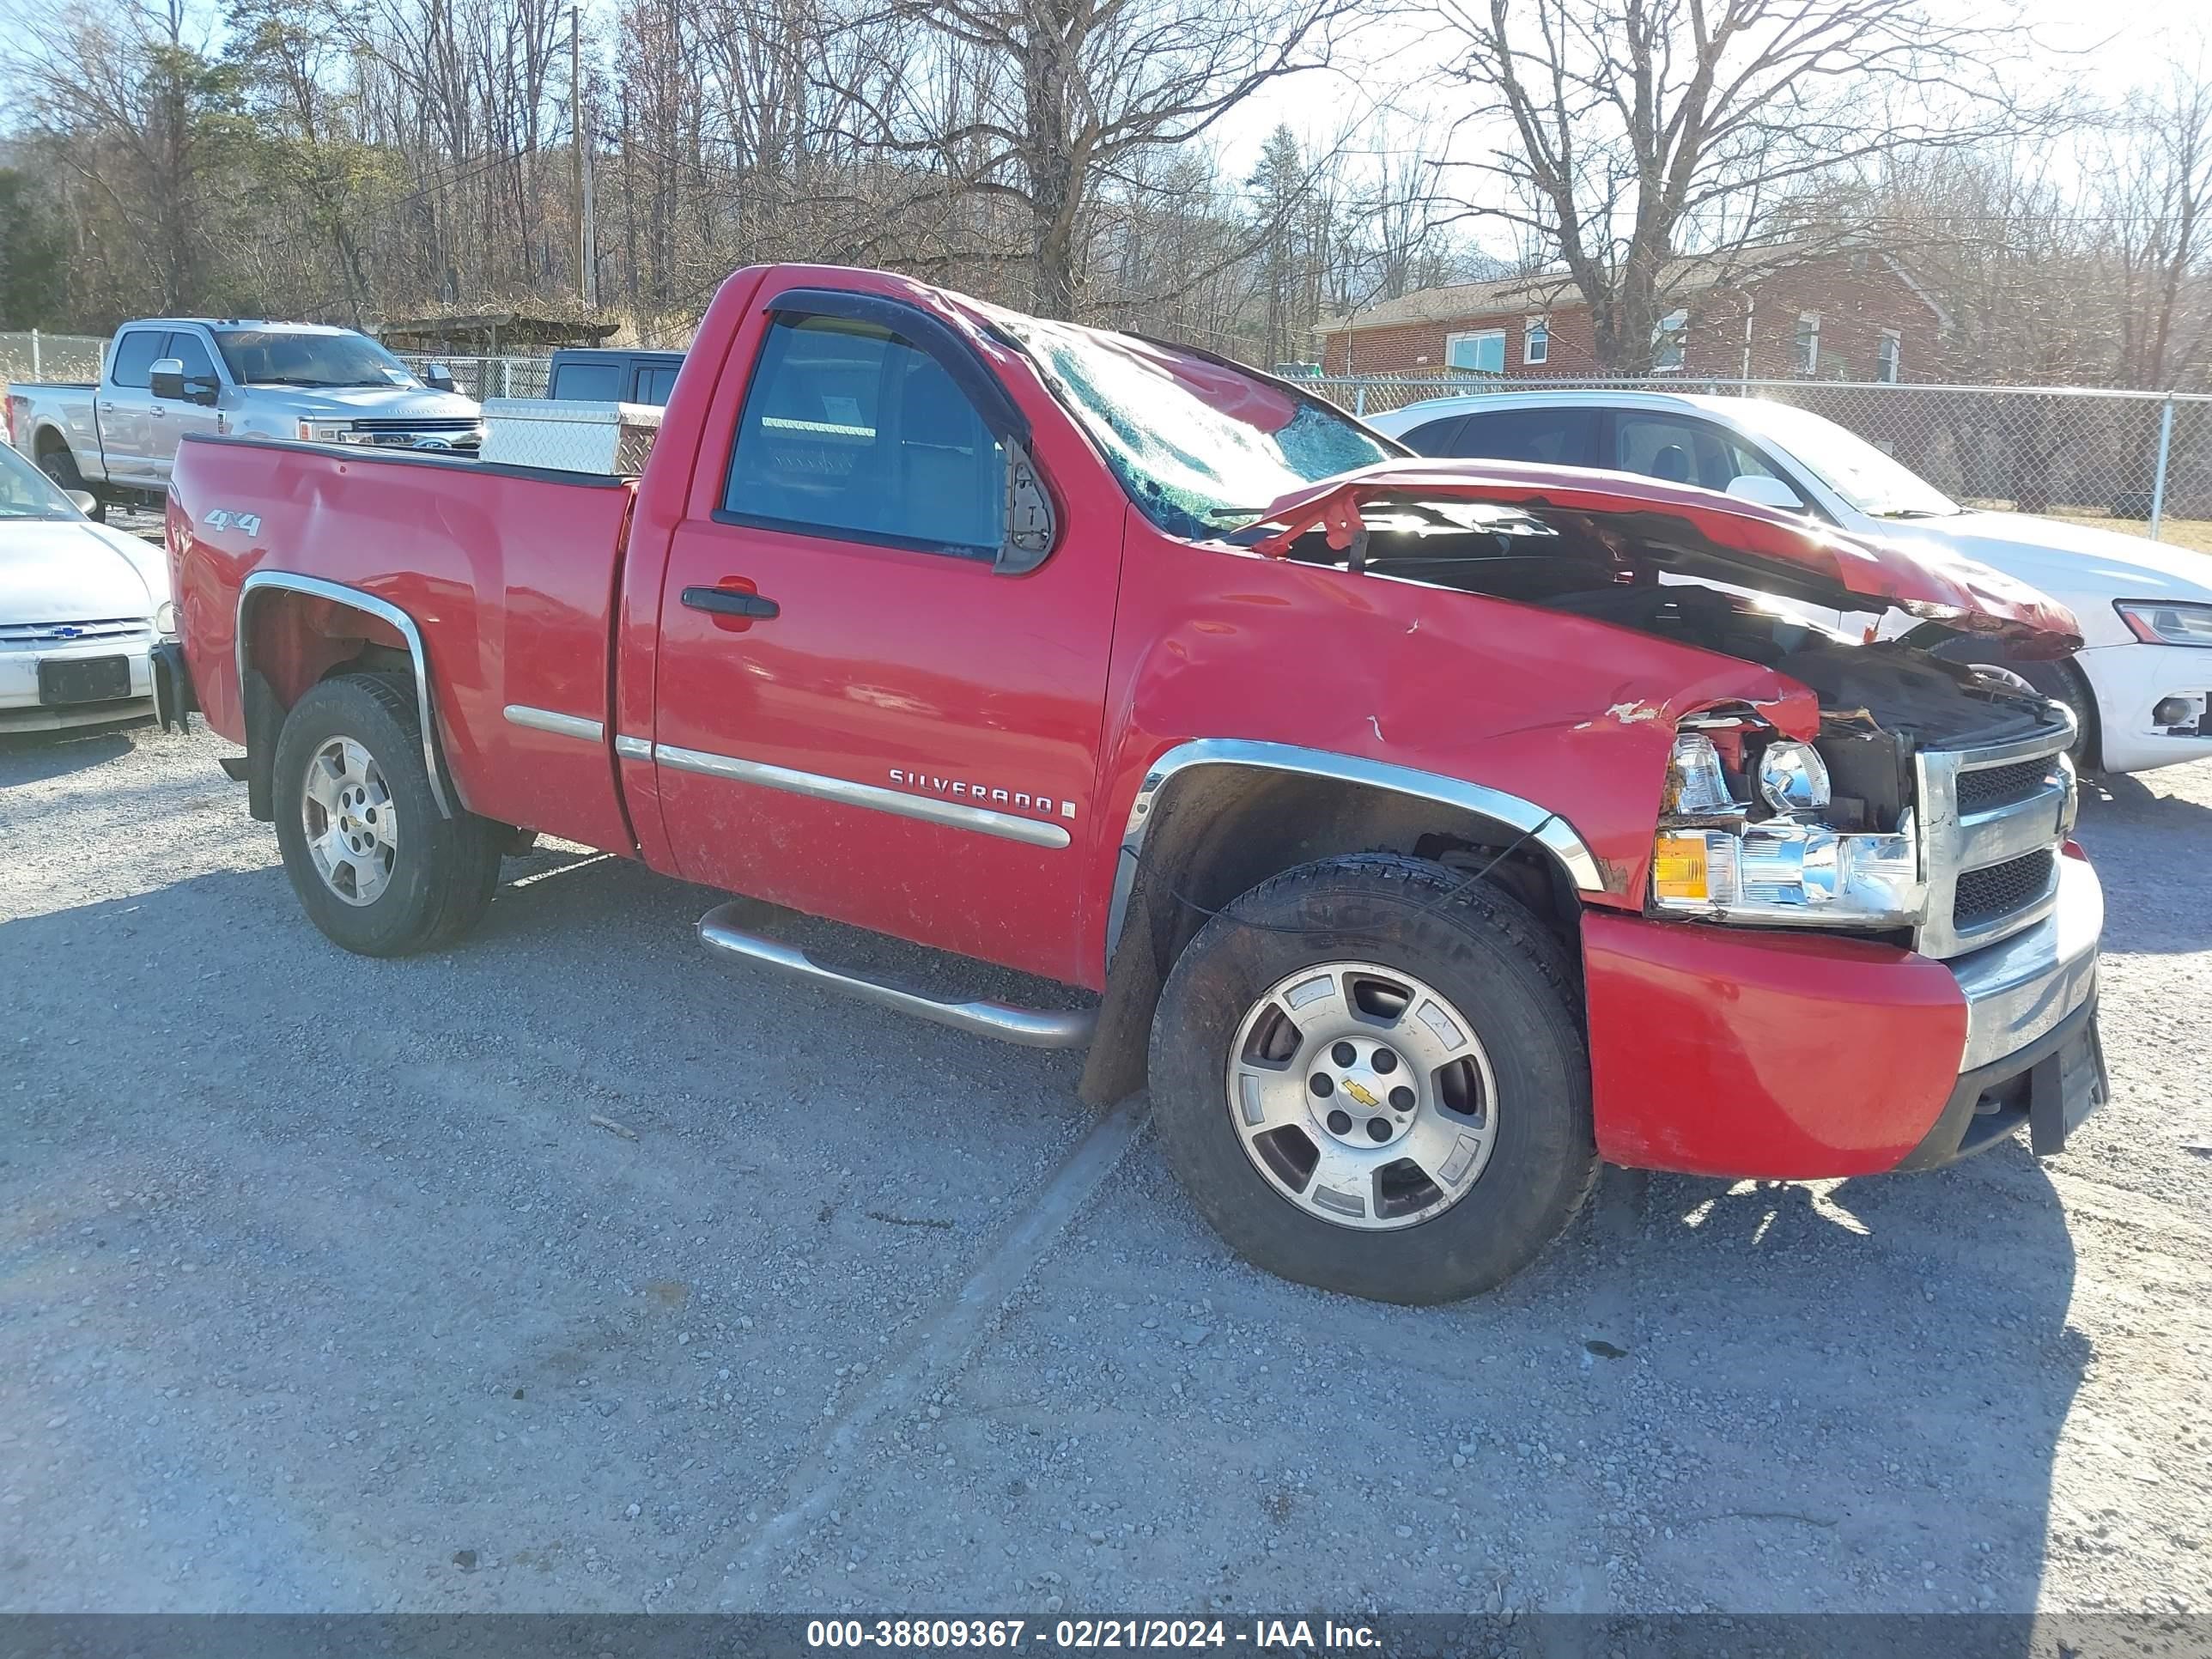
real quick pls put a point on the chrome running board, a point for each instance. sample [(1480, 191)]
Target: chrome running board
[(1033, 1028)]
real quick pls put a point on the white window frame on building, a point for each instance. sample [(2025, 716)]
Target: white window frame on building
[(1889, 357), (1670, 339), (1808, 342), (1535, 342), (1479, 337)]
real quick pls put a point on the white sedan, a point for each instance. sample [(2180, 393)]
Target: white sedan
[(2141, 684), (82, 609)]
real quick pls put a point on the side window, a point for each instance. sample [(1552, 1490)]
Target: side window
[(655, 385), (1436, 437), (135, 356), (588, 383), (1551, 437), (849, 431), (191, 351), (1682, 450)]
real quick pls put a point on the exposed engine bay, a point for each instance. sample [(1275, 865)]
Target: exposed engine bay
[(1649, 571), (1756, 826)]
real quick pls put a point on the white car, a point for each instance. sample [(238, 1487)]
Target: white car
[(82, 609), (2141, 684)]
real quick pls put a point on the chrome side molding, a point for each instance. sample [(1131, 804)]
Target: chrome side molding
[(1550, 831), (1008, 826), (1032, 1028), (560, 724)]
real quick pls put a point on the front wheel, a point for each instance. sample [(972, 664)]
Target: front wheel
[(375, 865), (1370, 1076)]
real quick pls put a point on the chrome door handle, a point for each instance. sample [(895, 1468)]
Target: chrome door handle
[(729, 602)]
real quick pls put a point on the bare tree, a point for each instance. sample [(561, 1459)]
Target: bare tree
[(1081, 91), (2161, 221), (1620, 134)]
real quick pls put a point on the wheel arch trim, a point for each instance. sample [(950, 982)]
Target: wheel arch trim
[(1548, 828), (265, 581)]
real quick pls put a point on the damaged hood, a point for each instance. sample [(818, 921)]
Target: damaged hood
[(1702, 532)]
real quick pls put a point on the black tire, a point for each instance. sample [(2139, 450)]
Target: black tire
[(2063, 683), (1482, 951), (58, 464), (2074, 691), (445, 869)]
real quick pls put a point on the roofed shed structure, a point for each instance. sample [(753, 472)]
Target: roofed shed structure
[(490, 333)]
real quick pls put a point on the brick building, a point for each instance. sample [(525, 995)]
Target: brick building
[(1836, 314)]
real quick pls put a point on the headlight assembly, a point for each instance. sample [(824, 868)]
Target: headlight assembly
[(2158, 621), (1787, 867), (1793, 777), (1697, 783), (165, 619)]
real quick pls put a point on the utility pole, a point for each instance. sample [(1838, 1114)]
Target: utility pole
[(579, 165)]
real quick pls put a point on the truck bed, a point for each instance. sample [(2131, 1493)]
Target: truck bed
[(508, 572)]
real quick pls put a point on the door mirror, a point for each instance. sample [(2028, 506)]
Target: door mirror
[(202, 391), (1767, 492), (439, 378), (84, 501), (166, 379), (1029, 525)]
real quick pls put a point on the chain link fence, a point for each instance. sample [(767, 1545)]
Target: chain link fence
[(488, 377), (2135, 460), (35, 354), (2138, 460)]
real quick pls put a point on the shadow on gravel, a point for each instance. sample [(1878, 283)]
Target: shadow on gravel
[(1890, 1367), (2150, 842), (2135, 801), (35, 757)]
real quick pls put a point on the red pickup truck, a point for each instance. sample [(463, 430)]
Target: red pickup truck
[(1427, 831)]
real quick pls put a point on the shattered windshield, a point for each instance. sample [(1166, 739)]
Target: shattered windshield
[(1200, 447)]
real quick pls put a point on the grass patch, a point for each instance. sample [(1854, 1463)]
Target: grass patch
[(2195, 534)]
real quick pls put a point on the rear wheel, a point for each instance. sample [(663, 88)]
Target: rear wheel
[(375, 865), (58, 464), (1371, 1078)]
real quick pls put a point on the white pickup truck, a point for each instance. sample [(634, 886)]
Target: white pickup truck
[(166, 376)]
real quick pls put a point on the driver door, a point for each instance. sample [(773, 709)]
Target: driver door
[(173, 418), (859, 713)]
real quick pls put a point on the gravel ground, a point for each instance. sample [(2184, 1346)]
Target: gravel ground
[(321, 1289)]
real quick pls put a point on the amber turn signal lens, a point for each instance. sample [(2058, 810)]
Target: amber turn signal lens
[(1678, 867)]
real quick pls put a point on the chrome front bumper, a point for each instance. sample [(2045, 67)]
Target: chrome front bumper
[(2031, 1058), (2023, 987)]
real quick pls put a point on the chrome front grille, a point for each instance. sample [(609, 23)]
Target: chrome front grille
[(371, 423), (2000, 786), (2000, 890), (1992, 821), (112, 630)]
